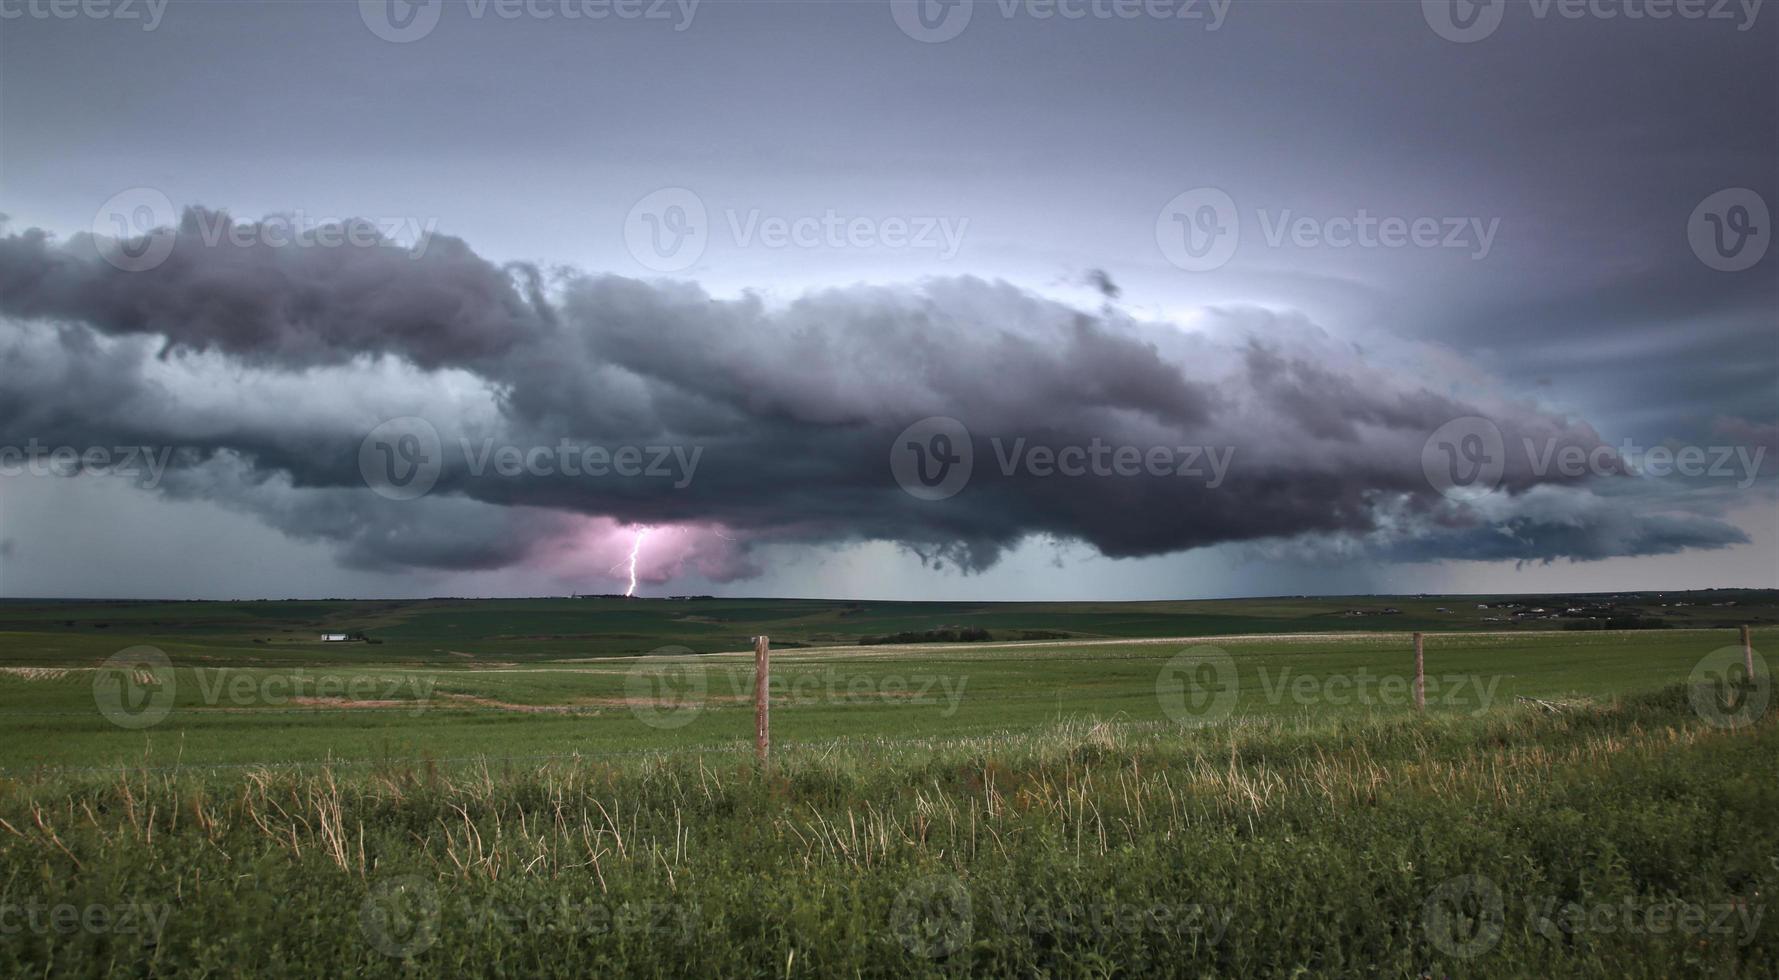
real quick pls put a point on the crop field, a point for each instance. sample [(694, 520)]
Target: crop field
[(568, 786)]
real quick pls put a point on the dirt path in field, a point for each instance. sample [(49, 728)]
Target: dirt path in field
[(582, 705)]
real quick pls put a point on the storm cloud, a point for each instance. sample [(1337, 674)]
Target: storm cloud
[(265, 367)]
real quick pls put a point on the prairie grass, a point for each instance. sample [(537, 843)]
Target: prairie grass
[(1091, 847)]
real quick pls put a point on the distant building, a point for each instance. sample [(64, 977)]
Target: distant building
[(333, 637)]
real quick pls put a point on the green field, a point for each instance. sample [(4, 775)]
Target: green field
[(462, 632), (566, 786)]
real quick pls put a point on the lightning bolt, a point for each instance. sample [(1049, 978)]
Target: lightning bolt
[(635, 548)]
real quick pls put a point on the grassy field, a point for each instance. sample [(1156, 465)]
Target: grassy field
[(466, 631), (1129, 800), (51, 716)]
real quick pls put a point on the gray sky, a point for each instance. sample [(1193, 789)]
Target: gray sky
[(1308, 253)]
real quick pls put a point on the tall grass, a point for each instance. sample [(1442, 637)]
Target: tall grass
[(1265, 847)]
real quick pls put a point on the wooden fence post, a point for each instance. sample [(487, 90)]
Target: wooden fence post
[(1747, 653), (762, 697), (1420, 676)]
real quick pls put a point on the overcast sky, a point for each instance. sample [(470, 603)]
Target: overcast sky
[(1085, 299)]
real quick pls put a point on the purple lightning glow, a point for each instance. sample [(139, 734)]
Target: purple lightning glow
[(645, 554)]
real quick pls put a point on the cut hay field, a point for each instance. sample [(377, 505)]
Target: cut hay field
[(449, 802)]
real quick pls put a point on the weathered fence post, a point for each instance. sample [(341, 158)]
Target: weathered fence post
[(1747, 653), (1420, 676), (762, 698)]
